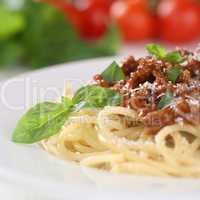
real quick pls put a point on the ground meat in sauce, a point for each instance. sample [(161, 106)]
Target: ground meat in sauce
[(146, 83)]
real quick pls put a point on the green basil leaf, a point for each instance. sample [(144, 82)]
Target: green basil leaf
[(67, 103), (11, 23), (113, 73), (174, 57), (173, 74), (166, 100), (96, 97), (40, 122), (156, 50)]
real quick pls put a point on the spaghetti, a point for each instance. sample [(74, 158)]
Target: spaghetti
[(101, 141), (141, 118)]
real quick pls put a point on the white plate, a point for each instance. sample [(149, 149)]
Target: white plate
[(37, 173)]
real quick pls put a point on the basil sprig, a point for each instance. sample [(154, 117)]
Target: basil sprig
[(156, 50), (160, 52), (40, 122), (173, 74), (113, 73), (173, 57), (46, 119), (166, 100), (67, 103), (96, 97)]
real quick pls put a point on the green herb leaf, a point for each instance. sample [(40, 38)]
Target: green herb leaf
[(173, 74), (96, 97), (156, 50), (166, 100), (113, 73), (67, 103), (40, 122), (11, 23), (174, 57), (46, 38), (10, 52), (46, 119)]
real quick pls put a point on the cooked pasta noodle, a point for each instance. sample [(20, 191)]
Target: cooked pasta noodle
[(100, 139)]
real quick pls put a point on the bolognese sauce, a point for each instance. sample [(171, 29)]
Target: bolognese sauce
[(147, 85)]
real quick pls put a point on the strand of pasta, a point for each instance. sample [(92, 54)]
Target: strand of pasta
[(100, 139)]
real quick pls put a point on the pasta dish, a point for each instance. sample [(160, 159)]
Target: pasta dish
[(140, 117)]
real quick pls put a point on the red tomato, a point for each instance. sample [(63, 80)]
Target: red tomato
[(90, 17), (95, 16), (179, 20), (134, 19)]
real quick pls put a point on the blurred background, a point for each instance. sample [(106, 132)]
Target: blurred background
[(40, 33)]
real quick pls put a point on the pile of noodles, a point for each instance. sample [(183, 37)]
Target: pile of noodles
[(110, 139)]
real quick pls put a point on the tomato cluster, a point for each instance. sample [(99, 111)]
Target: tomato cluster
[(172, 20)]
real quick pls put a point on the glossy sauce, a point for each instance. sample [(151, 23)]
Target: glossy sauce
[(146, 83)]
